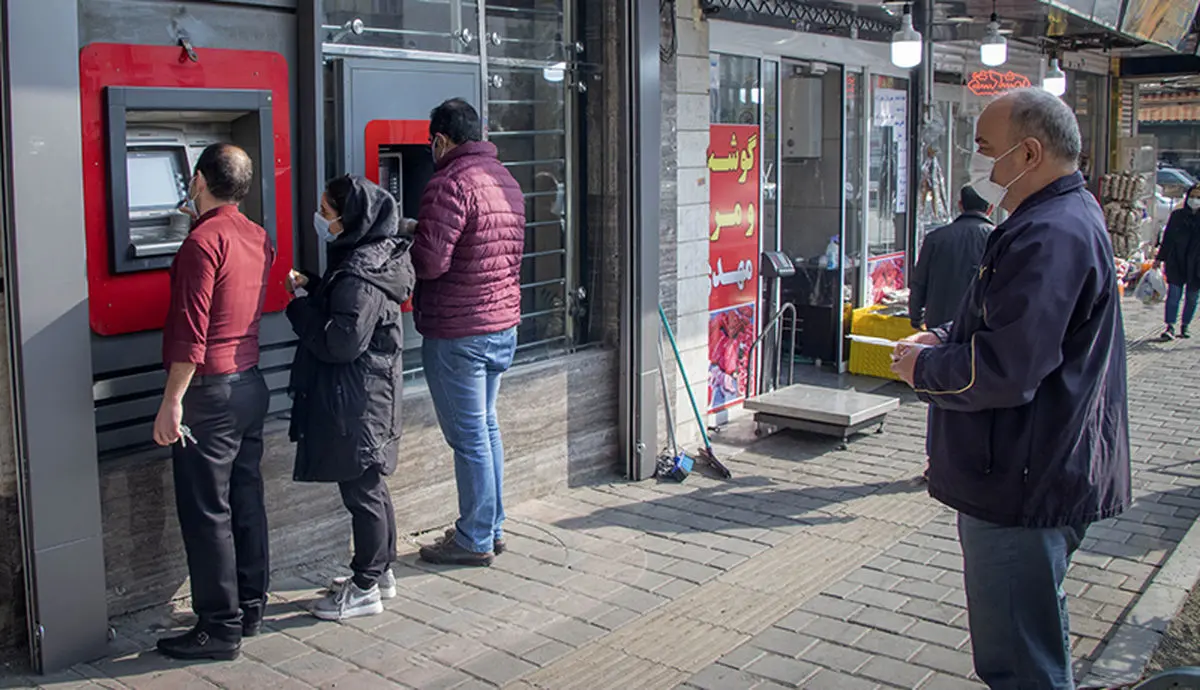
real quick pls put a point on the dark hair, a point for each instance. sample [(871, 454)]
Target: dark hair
[(228, 171), (339, 190), (457, 120), (971, 201)]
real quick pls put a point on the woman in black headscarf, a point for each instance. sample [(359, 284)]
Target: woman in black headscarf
[(1180, 252), (347, 379)]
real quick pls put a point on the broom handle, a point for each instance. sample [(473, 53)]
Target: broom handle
[(683, 372)]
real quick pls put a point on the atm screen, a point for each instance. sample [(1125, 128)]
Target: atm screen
[(156, 179)]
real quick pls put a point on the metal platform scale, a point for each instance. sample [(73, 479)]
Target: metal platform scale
[(813, 409)]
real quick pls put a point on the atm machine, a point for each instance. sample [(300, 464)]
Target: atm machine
[(147, 115), (380, 127)]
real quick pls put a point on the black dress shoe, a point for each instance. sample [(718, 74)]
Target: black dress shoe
[(498, 545), (252, 622), (196, 644)]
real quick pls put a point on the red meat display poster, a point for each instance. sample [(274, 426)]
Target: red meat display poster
[(733, 250)]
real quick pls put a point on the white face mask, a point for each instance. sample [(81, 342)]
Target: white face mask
[(981, 177), (1194, 203)]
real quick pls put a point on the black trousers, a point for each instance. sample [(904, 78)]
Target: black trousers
[(373, 521), (219, 496)]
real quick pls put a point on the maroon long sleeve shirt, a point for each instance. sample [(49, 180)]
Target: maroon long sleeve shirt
[(218, 284)]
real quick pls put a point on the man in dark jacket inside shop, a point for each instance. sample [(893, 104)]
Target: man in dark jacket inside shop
[(1028, 433), (948, 262), (467, 250)]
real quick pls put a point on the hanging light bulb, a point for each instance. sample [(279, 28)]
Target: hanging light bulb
[(1055, 80), (906, 43), (993, 51)]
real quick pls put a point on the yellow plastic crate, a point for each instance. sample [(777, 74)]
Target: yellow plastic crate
[(874, 360)]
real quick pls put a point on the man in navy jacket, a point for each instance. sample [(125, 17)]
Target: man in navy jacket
[(1028, 432)]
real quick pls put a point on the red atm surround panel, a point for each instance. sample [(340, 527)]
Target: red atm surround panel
[(388, 133), (132, 302)]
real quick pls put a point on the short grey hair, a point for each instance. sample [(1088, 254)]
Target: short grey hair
[(1039, 114)]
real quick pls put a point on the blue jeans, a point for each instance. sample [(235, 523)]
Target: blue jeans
[(1016, 605), (1176, 294), (464, 380)]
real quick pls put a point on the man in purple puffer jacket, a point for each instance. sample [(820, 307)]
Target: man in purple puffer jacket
[(469, 240)]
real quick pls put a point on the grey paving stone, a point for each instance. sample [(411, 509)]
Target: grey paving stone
[(742, 657), (941, 681), (830, 680), (406, 632), (548, 653), (274, 648), (923, 573), (635, 599), (944, 635), (874, 578), (361, 680), (889, 645), (341, 640), (497, 667), (796, 621), (786, 671), (835, 631), (693, 572), (883, 620), (894, 672), (783, 642), (427, 674), (923, 590), (927, 610), (879, 598), (829, 606), (451, 649), (315, 668), (615, 618), (245, 673), (719, 677), (572, 632), (837, 657), (943, 659)]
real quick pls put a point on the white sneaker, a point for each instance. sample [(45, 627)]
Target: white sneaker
[(386, 584), (349, 602)]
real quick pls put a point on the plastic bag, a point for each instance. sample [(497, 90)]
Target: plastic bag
[(1152, 287)]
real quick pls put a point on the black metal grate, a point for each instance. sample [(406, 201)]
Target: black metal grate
[(839, 20)]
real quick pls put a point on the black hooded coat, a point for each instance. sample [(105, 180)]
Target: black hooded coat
[(1180, 247), (347, 378)]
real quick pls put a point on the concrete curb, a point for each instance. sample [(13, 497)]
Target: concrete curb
[(1124, 658)]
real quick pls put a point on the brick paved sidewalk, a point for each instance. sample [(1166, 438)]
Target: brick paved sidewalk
[(813, 568)]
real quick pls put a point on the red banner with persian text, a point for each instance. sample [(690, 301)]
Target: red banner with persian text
[(733, 251)]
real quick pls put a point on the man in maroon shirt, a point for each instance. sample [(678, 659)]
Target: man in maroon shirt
[(213, 408)]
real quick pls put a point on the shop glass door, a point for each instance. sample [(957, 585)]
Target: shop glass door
[(854, 203), (887, 215)]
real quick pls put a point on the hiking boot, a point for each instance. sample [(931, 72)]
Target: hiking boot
[(197, 644), (498, 545), (1183, 333), (349, 602), (1168, 335), (447, 552), (386, 584)]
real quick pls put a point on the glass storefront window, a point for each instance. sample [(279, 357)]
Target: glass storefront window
[(856, 196), (1086, 94), (441, 26), (526, 29), (735, 92)]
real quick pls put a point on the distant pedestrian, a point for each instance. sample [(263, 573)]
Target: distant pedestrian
[(948, 263), (1179, 251), (1029, 433), (348, 378)]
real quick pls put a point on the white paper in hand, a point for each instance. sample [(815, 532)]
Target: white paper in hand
[(882, 342)]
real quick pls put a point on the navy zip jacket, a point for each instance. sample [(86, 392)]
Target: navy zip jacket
[(1028, 424)]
